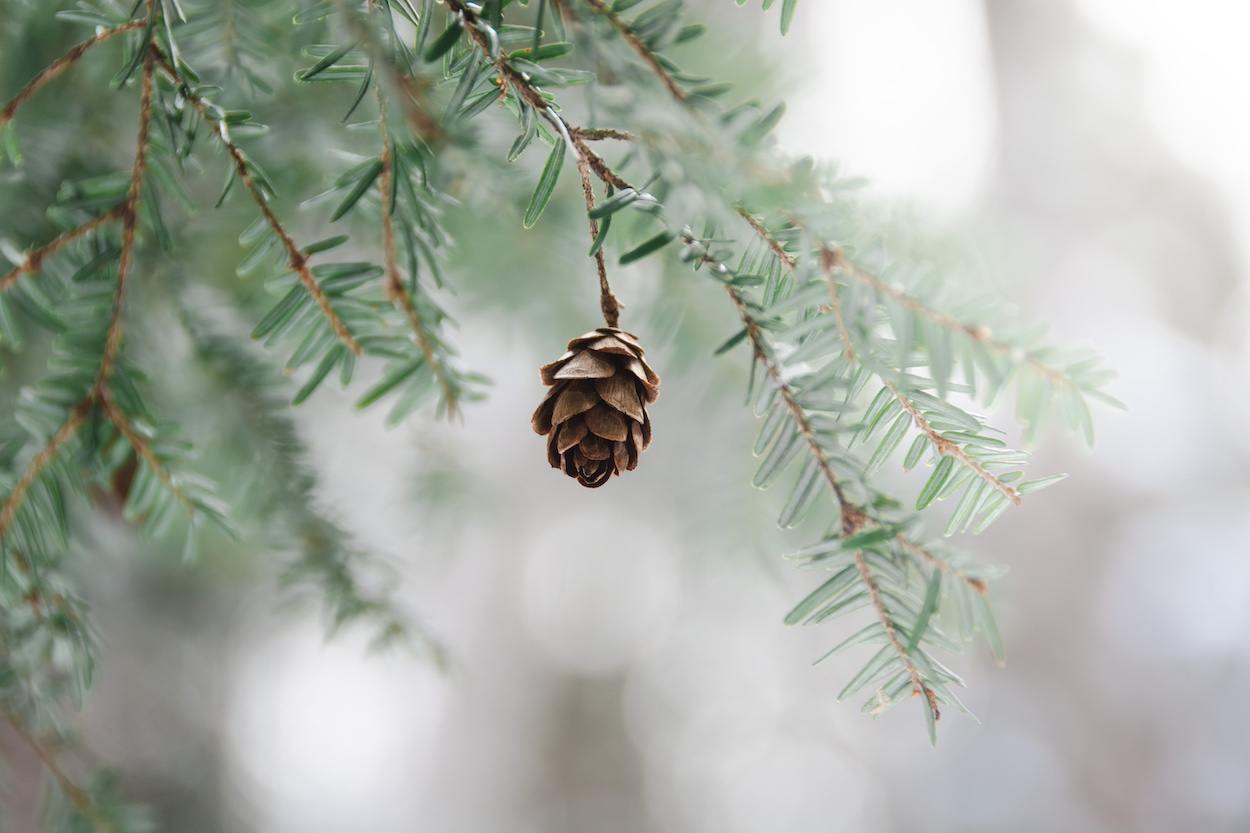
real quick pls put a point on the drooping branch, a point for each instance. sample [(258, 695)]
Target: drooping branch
[(297, 259), (827, 261), (396, 292), (61, 64), (918, 685)]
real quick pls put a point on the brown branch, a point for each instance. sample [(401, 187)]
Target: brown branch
[(41, 460), (527, 91), (78, 797), (768, 239), (608, 303), (130, 219), (297, 260), (35, 257), (594, 134), (396, 292), (978, 584), (60, 65), (639, 47), (828, 258), (978, 333), (948, 447), (853, 518), (917, 679), (143, 448)]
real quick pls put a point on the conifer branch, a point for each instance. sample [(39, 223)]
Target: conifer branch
[(949, 447), (978, 584), (396, 292), (773, 245), (60, 65), (297, 259), (827, 261), (532, 96), (891, 633), (34, 258), (144, 449), (130, 218), (77, 797), (635, 43), (41, 460), (980, 334), (854, 519)]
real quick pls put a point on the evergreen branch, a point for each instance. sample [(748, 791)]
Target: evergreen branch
[(644, 51), (979, 334), (34, 259), (534, 97), (130, 219), (41, 460), (297, 258), (891, 634), (773, 245), (61, 64), (828, 258), (78, 797), (832, 261), (144, 449), (977, 584), (948, 447), (396, 292), (608, 303), (853, 518)]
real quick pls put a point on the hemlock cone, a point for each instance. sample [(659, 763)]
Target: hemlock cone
[(595, 415)]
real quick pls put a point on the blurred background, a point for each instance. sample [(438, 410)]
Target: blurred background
[(617, 657)]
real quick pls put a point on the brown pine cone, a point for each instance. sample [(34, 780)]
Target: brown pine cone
[(595, 415)]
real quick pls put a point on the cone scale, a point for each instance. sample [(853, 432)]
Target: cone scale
[(595, 415)]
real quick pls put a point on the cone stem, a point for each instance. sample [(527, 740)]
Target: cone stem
[(607, 301)]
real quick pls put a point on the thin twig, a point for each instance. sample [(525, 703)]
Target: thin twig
[(774, 246), (978, 584), (587, 159), (41, 460), (917, 679), (595, 134), (639, 47), (949, 447), (827, 261), (978, 333), (608, 303), (61, 64), (130, 219), (396, 292), (297, 260), (854, 519), (35, 257), (143, 448)]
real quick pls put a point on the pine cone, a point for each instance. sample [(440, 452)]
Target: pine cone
[(595, 415)]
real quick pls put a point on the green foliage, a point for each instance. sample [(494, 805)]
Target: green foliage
[(862, 350)]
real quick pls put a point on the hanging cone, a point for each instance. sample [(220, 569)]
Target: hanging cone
[(595, 415)]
